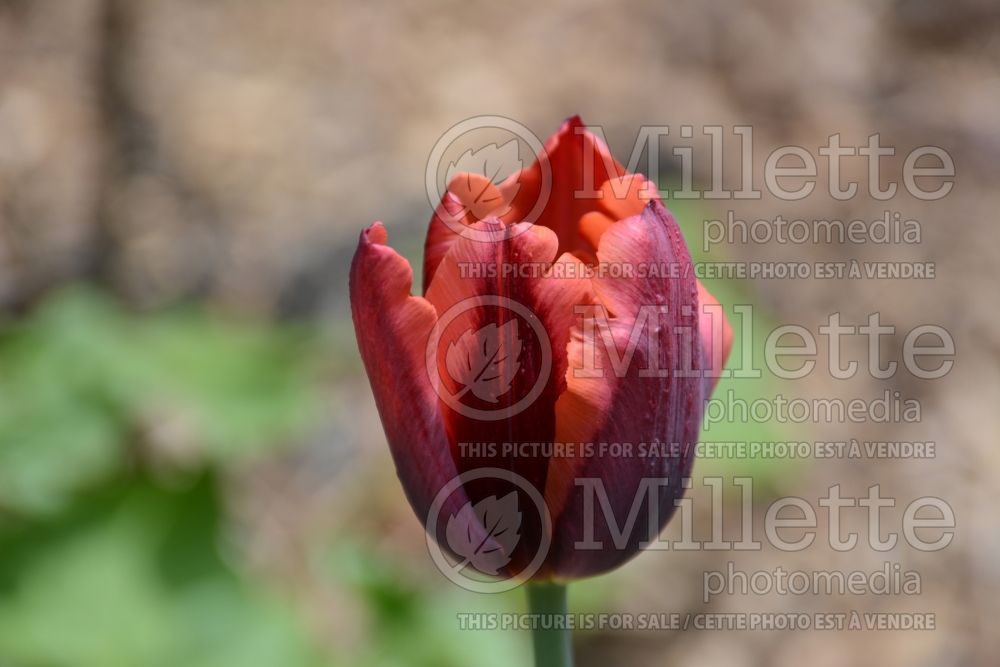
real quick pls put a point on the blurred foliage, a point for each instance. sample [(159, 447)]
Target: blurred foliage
[(104, 561), (131, 576), (81, 380), (416, 623)]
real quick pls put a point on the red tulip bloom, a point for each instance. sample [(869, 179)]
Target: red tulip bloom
[(547, 317)]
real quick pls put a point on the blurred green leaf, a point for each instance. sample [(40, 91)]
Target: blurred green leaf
[(127, 580), (82, 381), (244, 387), (416, 624)]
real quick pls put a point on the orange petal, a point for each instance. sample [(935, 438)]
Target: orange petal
[(469, 198), (716, 337), (593, 225), (626, 196), (477, 193)]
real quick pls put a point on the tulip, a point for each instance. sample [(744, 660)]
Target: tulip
[(534, 291)]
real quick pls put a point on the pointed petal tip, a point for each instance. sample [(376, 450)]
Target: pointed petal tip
[(656, 212), (569, 128)]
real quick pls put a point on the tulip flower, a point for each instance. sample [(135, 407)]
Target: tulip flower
[(559, 307)]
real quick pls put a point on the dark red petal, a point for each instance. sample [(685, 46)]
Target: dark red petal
[(642, 409), (505, 273), (392, 330)]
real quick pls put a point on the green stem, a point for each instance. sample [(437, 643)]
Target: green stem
[(550, 636)]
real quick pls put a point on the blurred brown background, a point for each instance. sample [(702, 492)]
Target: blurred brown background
[(226, 154)]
